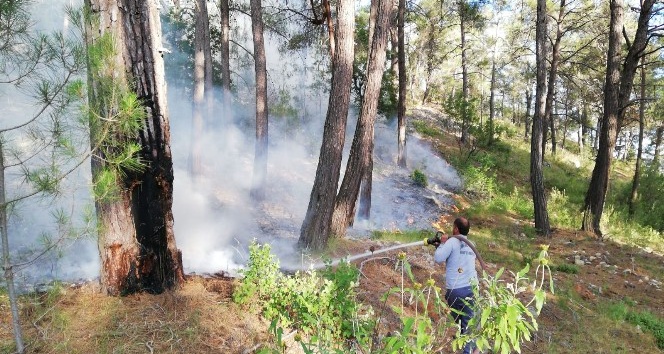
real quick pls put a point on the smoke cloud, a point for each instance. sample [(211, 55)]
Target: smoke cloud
[(215, 219)]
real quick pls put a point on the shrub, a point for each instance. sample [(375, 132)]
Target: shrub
[(419, 178)]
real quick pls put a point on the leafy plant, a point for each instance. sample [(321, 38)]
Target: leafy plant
[(504, 321), (419, 178), (321, 306)]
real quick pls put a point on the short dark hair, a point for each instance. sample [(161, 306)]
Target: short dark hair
[(463, 225)]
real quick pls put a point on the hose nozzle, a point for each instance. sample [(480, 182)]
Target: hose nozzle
[(435, 240)]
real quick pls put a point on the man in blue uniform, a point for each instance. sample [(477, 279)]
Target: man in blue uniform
[(460, 272)]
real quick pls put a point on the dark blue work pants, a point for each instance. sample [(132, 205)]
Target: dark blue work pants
[(461, 299)]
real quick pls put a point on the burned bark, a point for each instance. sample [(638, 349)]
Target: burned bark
[(136, 240), (225, 61)]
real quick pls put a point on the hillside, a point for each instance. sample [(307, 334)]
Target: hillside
[(608, 294)]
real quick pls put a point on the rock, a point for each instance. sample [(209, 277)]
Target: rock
[(598, 254), (579, 262), (627, 271), (592, 258)]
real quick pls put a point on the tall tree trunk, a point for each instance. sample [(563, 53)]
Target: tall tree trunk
[(136, 241), (362, 147), (465, 122), (551, 87), (260, 156), (394, 42), (198, 119), (492, 98), (225, 61), (315, 230), (401, 105), (617, 91), (207, 52), (6, 260), (642, 113), (536, 176)]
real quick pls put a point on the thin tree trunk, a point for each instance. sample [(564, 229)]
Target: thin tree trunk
[(330, 27), (536, 177), (659, 134), (492, 88), (364, 211), (260, 157), (200, 73), (225, 61), (465, 122), (642, 113), (529, 100), (207, 52), (315, 230), (401, 105), (584, 126), (362, 146), (136, 241), (6, 260), (551, 87)]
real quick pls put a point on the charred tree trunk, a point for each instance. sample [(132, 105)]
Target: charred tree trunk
[(401, 105), (136, 241), (536, 176), (260, 156), (315, 230), (642, 113), (584, 126), (617, 90), (225, 61), (362, 147)]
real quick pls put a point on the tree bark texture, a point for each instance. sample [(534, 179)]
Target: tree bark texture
[(260, 154), (642, 116), (315, 230), (330, 26), (401, 104), (136, 240), (362, 146), (536, 176), (225, 61), (617, 90)]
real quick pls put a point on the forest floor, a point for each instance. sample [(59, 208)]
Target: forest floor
[(202, 318)]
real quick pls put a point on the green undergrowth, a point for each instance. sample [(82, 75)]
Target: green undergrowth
[(324, 309), (645, 320), (401, 236)]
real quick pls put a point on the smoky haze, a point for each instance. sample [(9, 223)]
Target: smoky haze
[(214, 218)]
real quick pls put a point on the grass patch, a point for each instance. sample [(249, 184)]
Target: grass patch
[(621, 311), (566, 268), (427, 130), (401, 236)]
